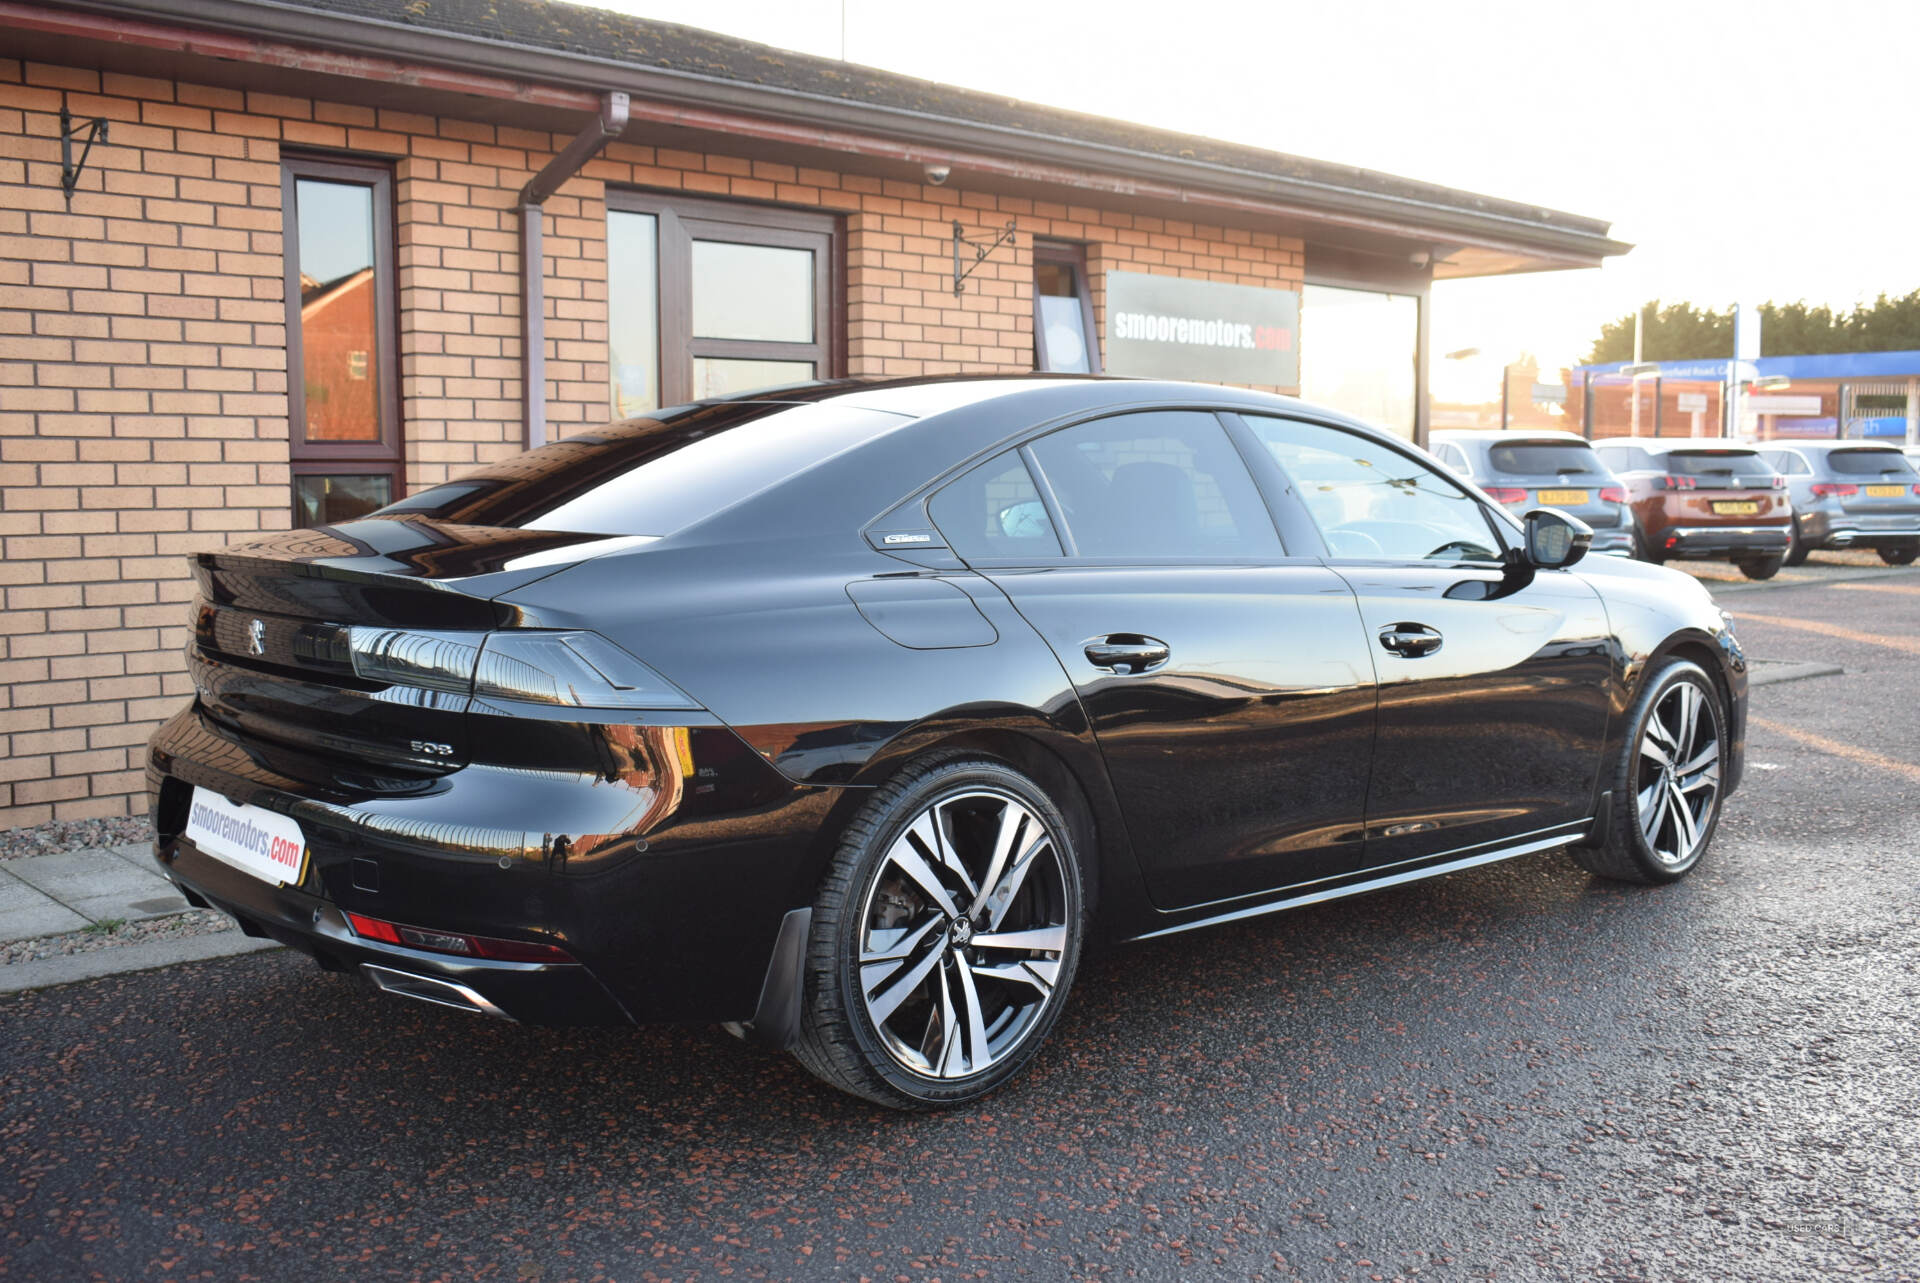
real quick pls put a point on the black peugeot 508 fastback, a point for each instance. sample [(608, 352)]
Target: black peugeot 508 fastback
[(845, 715)]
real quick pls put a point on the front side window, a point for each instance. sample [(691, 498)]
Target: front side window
[(342, 388), (712, 299), (1373, 503), (1165, 483)]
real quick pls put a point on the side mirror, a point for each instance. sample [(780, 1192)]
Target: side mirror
[(1556, 540)]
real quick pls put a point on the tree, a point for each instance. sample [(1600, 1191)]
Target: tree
[(1683, 332)]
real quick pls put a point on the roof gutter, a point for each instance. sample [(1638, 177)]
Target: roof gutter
[(533, 260), (1072, 162)]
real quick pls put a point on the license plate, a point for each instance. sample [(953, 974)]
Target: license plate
[(1886, 492), (1563, 496), (1736, 508), (252, 839)]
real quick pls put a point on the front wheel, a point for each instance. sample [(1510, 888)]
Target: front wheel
[(1904, 556), (1665, 780), (1760, 567), (944, 937)]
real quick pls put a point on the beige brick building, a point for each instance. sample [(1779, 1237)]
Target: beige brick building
[(181, 364)]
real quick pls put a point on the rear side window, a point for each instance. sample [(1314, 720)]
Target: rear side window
[(1543, 459), (1787, 463), (1165, 483), (1870, 463), (995, 511)]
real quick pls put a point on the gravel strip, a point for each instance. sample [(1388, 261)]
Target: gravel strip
[(73, 835), (194, 922)]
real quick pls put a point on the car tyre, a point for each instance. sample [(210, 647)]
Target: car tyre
[(1904, 556), (1760, 567), (1673, 755), (1797, 547), (904, 1005)]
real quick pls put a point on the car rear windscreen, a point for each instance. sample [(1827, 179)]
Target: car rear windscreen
[(1870, 463), (651, 476), (1720, 464), (1543, 458)]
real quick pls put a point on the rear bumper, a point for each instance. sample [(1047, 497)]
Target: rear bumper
[(667, 881), (1721, 541), (529, 992), (1849, 530)]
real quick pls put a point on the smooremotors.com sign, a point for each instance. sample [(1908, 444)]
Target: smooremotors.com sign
[(1164, 327)]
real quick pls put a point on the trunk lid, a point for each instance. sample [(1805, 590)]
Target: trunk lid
[(270, 655)]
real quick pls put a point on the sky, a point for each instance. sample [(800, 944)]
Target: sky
[(1750, 151)]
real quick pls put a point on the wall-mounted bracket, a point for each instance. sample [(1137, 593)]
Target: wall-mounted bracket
[(980, 248), (96, 131)]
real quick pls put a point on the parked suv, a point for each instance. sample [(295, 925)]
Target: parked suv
[(1850, 495), (1521, 470), (1703, 500)]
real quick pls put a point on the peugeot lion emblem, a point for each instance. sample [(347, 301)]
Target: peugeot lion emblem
[(257, 637)]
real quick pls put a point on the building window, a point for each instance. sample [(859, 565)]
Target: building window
[(343, 389), (1062, 311), (709, 298), (1359, 353)]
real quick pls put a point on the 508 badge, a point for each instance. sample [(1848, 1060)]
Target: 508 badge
[(430, 748)]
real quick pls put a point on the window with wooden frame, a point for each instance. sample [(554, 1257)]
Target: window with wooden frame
[(710, 298), (343, 385), (1063, 334)]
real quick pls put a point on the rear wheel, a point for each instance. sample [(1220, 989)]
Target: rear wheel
[(944, 938), (1759, 567), (1797, 548), (1904, 556), (1665, 781)]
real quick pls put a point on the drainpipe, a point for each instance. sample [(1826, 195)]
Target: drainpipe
[(533, 276)]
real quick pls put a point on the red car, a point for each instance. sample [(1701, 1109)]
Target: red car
[(1703, 500)]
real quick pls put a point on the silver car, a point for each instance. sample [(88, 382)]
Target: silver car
[(1850, 494), (1522, 470)]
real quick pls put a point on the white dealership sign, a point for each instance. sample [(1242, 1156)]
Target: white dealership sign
[(250, 838)]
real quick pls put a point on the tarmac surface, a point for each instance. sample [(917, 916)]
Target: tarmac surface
[(1517, 1072)]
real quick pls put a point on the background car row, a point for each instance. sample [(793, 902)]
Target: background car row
[(1660, 499)]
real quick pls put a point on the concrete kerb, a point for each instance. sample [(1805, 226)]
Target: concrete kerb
[(71, 968)]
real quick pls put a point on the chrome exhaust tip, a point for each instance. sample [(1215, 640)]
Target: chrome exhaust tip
[(441, 993)]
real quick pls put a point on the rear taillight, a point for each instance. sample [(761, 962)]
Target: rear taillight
[(1613, 494), (1779, 482), (1506, 494), (573, 669), (1671, 482), (1836, 490), (1916, 488), (455, 942)]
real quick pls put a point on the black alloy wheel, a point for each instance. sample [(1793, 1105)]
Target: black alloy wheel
[(945, 937), (1760, 567), (1904, 555)]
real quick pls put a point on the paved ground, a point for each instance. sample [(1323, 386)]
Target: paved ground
[(1517, 1073), (44, 895)]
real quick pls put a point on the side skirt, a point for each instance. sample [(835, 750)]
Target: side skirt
[(1572, 833)]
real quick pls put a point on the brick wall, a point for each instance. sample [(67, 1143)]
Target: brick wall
[(143, 371)]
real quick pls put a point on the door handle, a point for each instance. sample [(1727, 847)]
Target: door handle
[(1410, 641), (1127, 653)]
